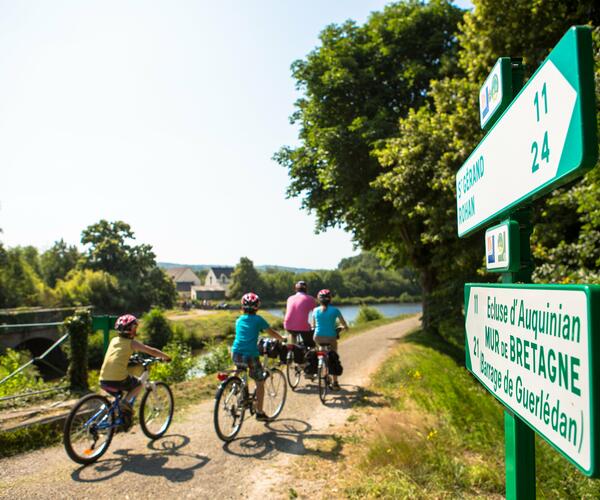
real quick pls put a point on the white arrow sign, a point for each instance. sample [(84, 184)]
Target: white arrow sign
[(520, 154)]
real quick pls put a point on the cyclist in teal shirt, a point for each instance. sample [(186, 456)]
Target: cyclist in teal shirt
[(323, 321), (244, 351)]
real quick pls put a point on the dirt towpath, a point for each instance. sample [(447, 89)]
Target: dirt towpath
[(190, 462)]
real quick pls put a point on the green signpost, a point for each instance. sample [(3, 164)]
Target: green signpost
[(533, 346)]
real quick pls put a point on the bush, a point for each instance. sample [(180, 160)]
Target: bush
[(27, 379), (157, 330), (181, 363), (366, 314), (217, 358), (79, 327)]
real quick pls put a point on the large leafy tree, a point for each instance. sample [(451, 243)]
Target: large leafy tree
[(57, 261), (393, 186), (142, 284), (357, 85)]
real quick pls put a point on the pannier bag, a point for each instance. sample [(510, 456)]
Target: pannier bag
[(312, 363), (335, 365), (272, 348), (298, 354)]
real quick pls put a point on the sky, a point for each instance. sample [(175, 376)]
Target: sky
[(164, 114)]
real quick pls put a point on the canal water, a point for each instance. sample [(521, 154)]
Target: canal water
[(350, 312)]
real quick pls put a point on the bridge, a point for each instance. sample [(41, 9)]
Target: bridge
[(35, 330)]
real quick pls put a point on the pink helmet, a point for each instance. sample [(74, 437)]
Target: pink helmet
[(250, 302), (324, 296), (125, 323)]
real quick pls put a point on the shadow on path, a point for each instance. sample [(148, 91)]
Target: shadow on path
[(291, 436), (160, 461)]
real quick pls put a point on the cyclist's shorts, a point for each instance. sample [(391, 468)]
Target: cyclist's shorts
[(307, 337), (128, 384), (255, 368), (332, 341)]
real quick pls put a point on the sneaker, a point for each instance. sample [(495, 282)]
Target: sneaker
[(261, 416), (127, 414), (335, 386)]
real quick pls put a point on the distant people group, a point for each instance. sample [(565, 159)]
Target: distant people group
[(307, 321)]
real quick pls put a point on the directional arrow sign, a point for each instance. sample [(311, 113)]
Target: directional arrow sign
[(545, 138), (532, 347)]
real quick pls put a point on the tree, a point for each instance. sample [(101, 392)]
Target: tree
[(83, 287), (142, 284), (357, 85), (244, 279), (19, 283), (57, 261)]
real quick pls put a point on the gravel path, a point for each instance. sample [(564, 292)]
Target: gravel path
[(191, 462)]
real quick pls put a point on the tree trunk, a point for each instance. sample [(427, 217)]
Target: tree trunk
[(428, 283)]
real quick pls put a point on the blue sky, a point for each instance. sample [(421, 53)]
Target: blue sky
[(164, 114)]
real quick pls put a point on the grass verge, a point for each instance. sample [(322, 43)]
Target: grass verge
[(429, 430)]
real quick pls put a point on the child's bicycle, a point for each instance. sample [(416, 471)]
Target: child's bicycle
[(233, 398), (90, 426)]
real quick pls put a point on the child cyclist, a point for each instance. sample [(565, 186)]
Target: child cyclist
[(114, 374), (244, 351), (323, 322)]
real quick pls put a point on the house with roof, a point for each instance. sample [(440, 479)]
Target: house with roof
[(216, 284), (184, 278)]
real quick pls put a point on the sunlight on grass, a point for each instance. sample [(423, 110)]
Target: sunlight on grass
[(442, 436)]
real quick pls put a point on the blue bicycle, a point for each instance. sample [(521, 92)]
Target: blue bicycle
[(92, 422)]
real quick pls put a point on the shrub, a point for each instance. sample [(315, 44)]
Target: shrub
[(157, 330), (217, 358), (79, 327), (181, 363), (366, 314), (27, 379)]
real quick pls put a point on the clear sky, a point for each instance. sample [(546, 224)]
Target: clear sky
[(164, 114)]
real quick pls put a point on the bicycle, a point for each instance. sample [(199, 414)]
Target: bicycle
[(233, 398), (295, 370), (325, 379), (92, 422)]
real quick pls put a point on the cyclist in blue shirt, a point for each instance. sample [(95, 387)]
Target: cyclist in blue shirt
[(324, 323), (244, 351)]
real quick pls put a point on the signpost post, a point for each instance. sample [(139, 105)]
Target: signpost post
[(533, 346)]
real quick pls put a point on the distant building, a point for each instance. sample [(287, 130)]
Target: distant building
[(216, 284), (184, 278)]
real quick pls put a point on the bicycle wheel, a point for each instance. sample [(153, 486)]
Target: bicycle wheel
[(156, 410), (229, 409), (88, 429), (323, 380), (275, 393), (293, 371)]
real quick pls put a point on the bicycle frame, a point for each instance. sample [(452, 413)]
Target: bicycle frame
[(115, 406)]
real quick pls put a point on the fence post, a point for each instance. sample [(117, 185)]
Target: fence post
[(79, 327)]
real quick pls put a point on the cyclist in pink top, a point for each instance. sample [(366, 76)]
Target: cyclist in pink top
[(297, 310)]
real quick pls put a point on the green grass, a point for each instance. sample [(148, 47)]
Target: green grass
[(441, 435), (215, 327)]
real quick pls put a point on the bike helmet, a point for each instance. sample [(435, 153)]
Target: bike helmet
[(250, 302), (301, 286), (324, 296), (125, 323)]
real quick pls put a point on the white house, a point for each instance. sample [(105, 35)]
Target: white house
[(184, 278), (216, 284)]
